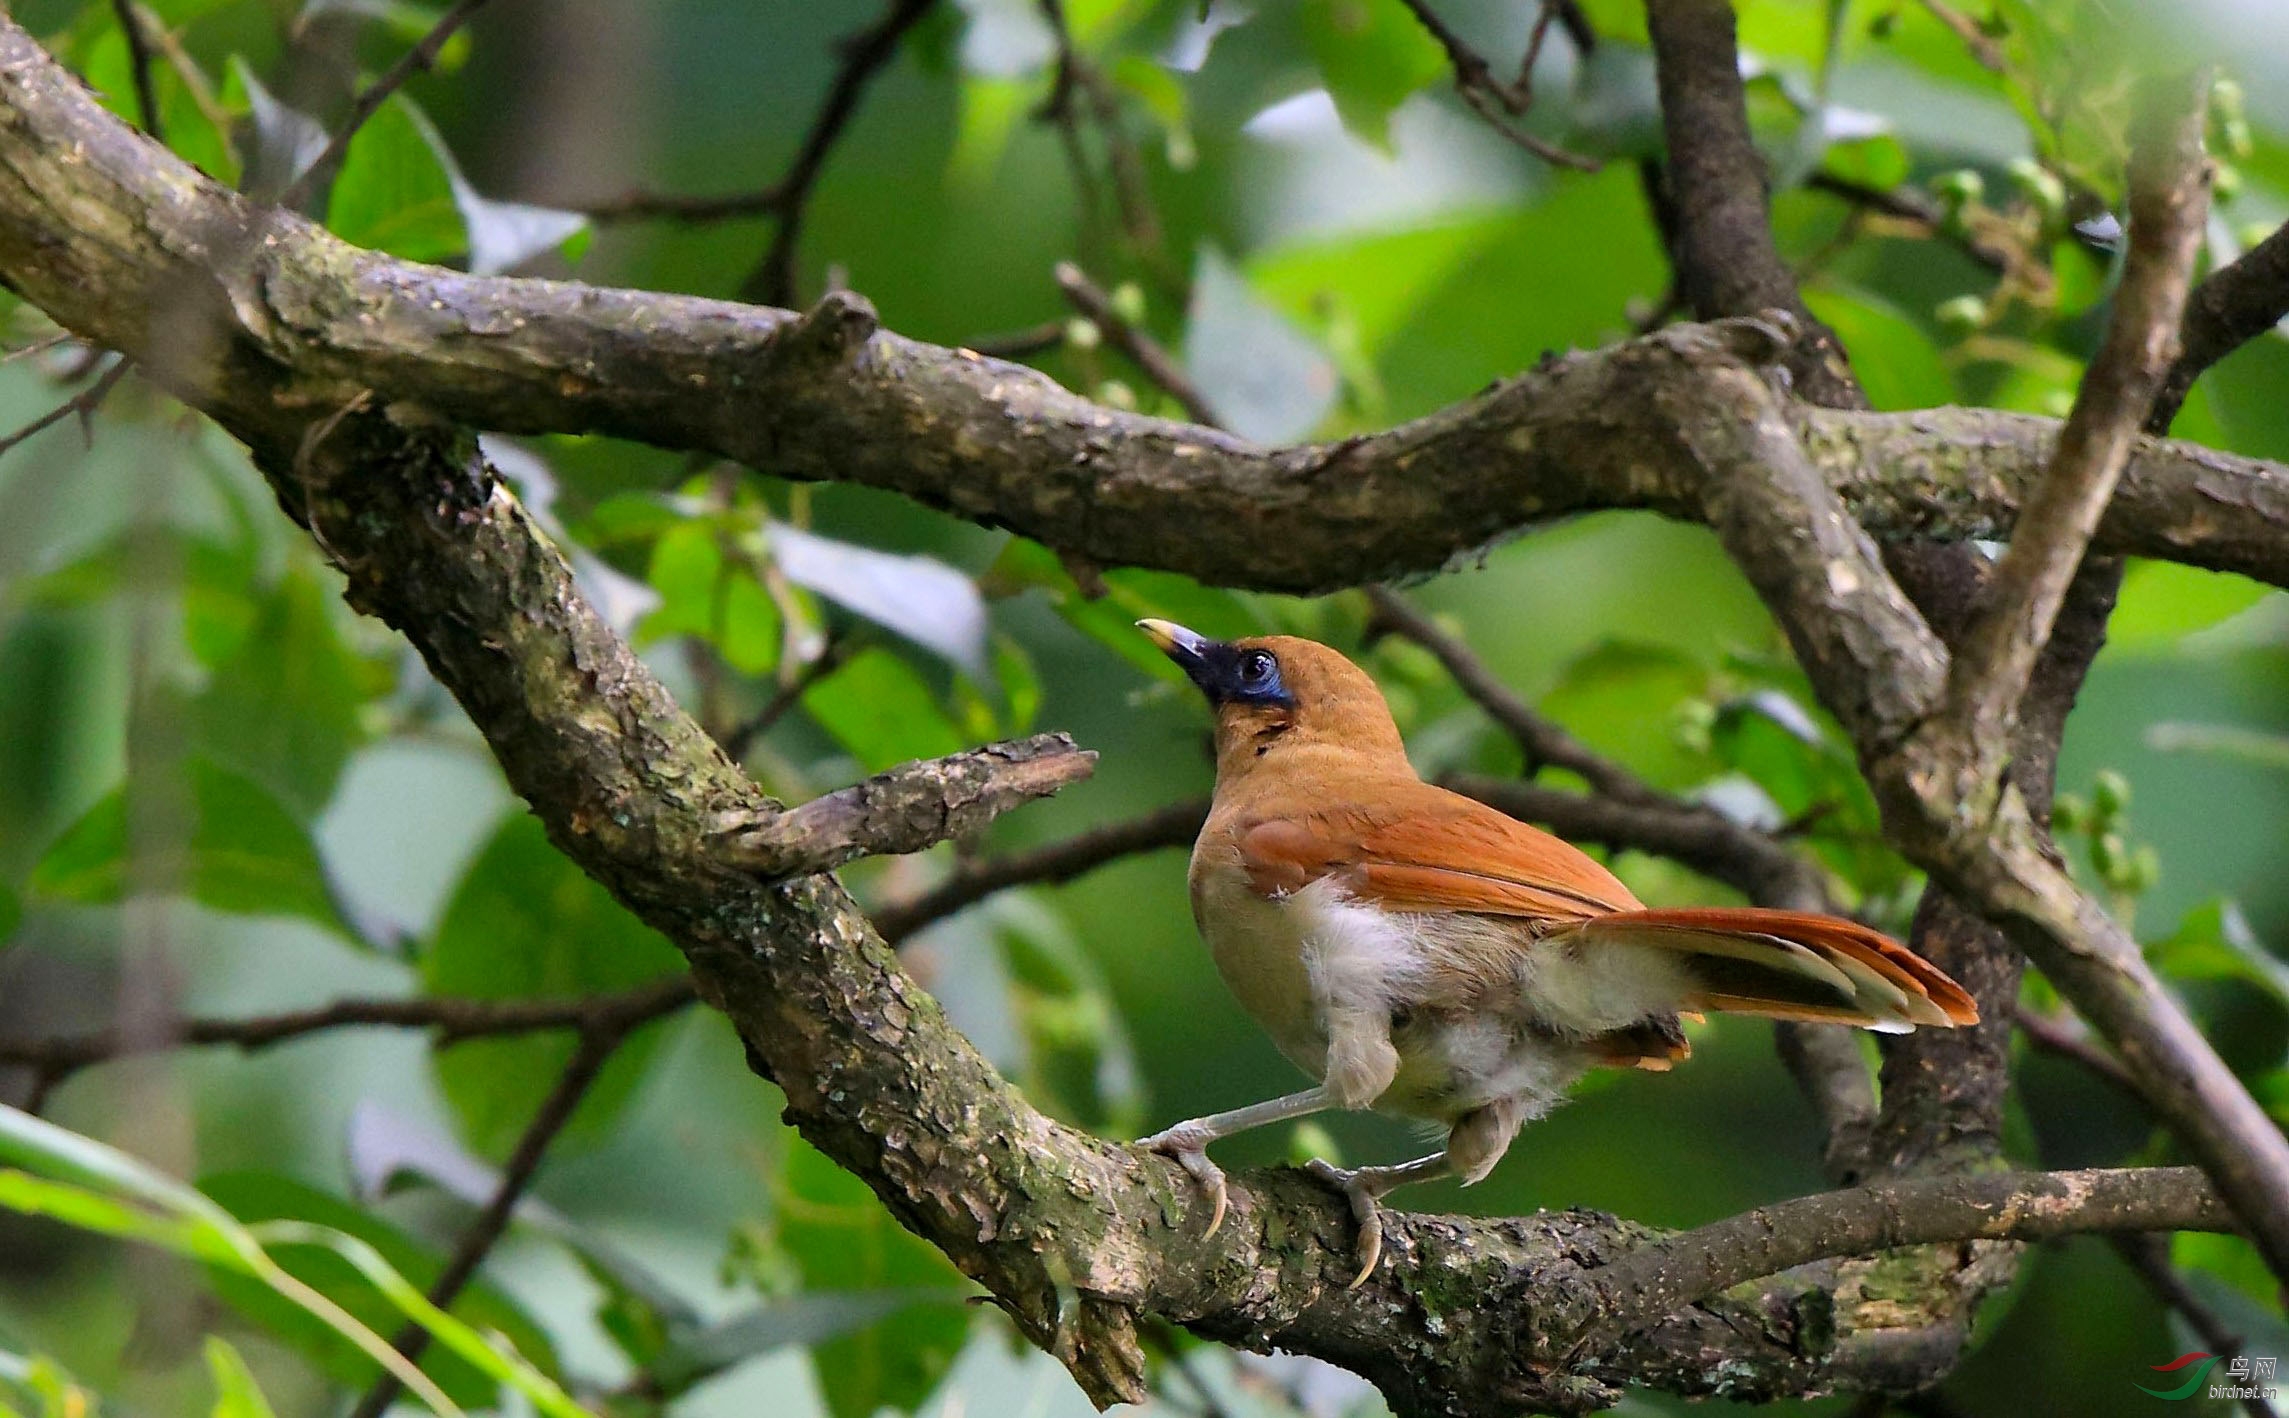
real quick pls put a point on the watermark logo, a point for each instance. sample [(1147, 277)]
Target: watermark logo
[(2246, 1377)]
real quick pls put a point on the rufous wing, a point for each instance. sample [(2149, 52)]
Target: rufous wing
[(1794, 965), (1430, 850)]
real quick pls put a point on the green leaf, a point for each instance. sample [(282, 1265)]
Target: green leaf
[(259, 1198), (2163, 602), (702, 594), (1079, 1065), (392, 193), (919, 597), (1372, 55), (840, 1239), (105, 64), (1624, 699), (2213, 941), (104, 1190), (881, 710), (243, 852), (284, 710), (44, 1383), (526, 923), (1880, 162), (1893, 355), (237, 1395), (807, 1320)]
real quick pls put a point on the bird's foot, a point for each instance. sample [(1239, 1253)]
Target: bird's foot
[(1360, 1186), (1187, 1145)]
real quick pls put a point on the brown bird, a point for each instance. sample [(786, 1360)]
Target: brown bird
[(1424, 955)]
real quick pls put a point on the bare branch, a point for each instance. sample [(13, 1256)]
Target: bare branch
[(1142, 349), (1081, 90), (449, 1021), (1491, 99), (830, 658), (1995, 1206), (2236, 304), (2069, 1039), (597, 1045), (996, 442), (82, 404), (1172, 826), (864, 55), (2169, 199), (905, 809), (1982, 45), (697, 209), (1545, 744), (139, 64), (416, 60)]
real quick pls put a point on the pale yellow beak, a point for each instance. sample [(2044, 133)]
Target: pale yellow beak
[(1179, 644)]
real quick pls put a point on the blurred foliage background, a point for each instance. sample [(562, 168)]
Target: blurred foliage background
[(221, 794)]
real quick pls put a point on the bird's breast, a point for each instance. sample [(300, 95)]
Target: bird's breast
[(1258, 944)]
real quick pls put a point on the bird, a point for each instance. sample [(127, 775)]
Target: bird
[(1423, 955)]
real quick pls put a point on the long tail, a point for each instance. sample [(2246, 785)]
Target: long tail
[(1794, 965)]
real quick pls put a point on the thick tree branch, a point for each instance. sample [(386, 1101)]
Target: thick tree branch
[(317, 322), (1880, 669), (2169, 201)]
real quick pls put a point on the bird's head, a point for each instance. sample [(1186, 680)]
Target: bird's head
[(1277, 695)]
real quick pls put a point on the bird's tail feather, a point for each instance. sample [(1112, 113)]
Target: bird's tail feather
[(1795, 965)]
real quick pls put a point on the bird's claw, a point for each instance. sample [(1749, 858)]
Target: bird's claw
[(1190, 1152), (1357, 1188)]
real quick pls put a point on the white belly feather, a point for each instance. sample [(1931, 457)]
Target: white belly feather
[(1484, 1013)]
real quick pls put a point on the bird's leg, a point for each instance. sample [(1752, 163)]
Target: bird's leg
[(1361, 1186), (1187, 1142)]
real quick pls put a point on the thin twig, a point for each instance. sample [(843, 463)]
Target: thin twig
[(2149, 1256), (1080, 79), (1498, 103), (1147, 353), (1172, 826), (1982, 45), (641, 205), (772, 282), (369, 100), (38, 347), (449, 1020), (1019, 344), (1544, 743), (2169, 199), (831, 657), (597, 1045), (1664, 1275), (139, 58), (84, 404), (2067, 1039)]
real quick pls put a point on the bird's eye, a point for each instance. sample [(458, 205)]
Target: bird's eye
[(1257, 668)]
